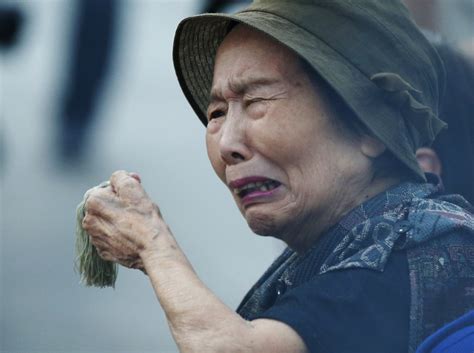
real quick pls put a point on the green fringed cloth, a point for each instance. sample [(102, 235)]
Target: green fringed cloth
[(94, 271)]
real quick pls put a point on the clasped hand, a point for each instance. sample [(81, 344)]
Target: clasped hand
[(122, 221)]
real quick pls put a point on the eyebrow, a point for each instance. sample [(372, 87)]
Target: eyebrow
[(241, 86)]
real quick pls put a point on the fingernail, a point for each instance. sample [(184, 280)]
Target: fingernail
[(136, 177)]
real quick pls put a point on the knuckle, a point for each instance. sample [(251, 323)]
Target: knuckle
[(123, 183), (87, 222), (96, 244), (93, 203), (101, 193), (93, 234), (117, 175), (129, 183)]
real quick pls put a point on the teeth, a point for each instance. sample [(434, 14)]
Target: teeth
[(249, 186), (259, 185)]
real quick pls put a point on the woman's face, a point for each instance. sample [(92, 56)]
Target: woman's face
[(270, 139)]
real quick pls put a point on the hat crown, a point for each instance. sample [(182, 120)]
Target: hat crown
[(376, 37)]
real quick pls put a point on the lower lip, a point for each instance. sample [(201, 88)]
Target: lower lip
[(259, 196)]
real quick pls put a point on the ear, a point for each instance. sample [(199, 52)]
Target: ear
[(428, 160), (371, 147)]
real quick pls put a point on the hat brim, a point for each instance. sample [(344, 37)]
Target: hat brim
[(198, 38)]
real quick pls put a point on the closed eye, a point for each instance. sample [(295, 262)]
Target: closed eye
[(216, 114), (253, 100)]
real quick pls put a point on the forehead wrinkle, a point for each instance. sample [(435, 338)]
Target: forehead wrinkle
[(240, 86)]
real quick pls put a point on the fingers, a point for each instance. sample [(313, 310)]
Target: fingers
[(98, 230), (96, 227), (102, 203), (127, 185), (119, 217)]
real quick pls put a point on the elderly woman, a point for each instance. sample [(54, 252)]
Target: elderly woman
[(313, 112)]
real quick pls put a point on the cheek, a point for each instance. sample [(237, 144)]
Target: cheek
[(283, 142), (296, 124)]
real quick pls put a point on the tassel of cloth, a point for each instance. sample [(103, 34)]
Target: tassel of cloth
[(422, 122), (94, 271)]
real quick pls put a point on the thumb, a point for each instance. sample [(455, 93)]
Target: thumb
[(127, 185)]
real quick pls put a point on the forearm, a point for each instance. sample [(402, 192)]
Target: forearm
[(123, 222), (199, 321)]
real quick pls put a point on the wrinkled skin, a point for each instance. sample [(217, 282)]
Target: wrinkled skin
[(268, 119), (122, 220)]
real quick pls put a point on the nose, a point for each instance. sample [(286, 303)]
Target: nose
[(233, 143)]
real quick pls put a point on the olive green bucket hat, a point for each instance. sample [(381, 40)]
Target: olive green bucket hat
[(369, 51)]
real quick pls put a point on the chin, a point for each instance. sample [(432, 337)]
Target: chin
[(262, 223)]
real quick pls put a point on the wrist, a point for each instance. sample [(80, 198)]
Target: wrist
[(164, 249)]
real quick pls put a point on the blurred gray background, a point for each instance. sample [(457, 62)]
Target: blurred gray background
[(143, 124)]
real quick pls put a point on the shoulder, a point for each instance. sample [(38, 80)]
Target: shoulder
[(438, 218), (415, 221)]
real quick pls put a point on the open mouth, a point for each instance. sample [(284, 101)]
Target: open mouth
[(259, 186)]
